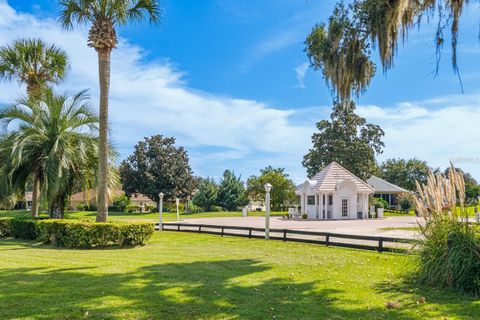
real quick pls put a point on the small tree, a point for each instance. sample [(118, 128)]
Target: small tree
[(406, 201), (347, 139), (157, 165), (283, 191), (206, 195), (231, 192)]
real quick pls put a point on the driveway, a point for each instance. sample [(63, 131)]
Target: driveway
[(389, 226)]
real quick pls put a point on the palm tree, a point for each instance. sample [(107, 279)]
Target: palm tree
[(36, 64), (57, 138), (104, 16)]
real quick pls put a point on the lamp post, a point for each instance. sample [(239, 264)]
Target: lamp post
[(160, 210), (177, 202), (268, 188)]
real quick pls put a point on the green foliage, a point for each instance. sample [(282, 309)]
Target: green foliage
[(231, 192), (283, 189), (341, 49), (206, 196), (406, 202), (157, 165), (404, 173), (85, 234), (378, 203), (449, 256), (342, 54), (23, 229), (121, 203), (349, 140), (5, 227), (53, 138), (33, 62)]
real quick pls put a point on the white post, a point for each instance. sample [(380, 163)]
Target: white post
[(177, 202), (160, 211), (268, 188)]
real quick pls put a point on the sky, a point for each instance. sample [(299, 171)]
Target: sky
[(230, 80)]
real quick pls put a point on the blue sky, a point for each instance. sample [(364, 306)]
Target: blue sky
[(229, 79)]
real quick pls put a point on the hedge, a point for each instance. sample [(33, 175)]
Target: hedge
[(5, 227), (85, 234)]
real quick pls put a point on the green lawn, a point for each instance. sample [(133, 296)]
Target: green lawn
[(146, 217), (194, 276)]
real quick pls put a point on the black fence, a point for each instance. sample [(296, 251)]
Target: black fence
[(378, 243)]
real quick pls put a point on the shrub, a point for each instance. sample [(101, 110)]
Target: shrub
[(5, 227), (449, 256), (121, 203), (23, 229), (406, 202), (378, 203), (133, 208), (86, 234)]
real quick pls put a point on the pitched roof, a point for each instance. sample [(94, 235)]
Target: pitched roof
[(381, 185), (327, 179)]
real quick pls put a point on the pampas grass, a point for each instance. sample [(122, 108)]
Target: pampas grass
[(449, 253)]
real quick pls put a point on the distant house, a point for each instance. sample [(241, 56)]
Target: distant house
[(334, 193), (386, 191), (89, 197)]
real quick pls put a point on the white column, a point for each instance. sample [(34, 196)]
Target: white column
[(320, 206)]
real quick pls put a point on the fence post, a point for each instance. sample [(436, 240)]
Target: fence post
[(199, 228), (285, 235), (327, 239), (222, 231), (178, 227), (380, 245), (250, 233)]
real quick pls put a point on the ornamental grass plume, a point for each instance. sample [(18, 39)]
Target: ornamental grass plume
[(449, 249)]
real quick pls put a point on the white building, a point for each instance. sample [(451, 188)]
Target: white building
[(387, 191), (334, 193)]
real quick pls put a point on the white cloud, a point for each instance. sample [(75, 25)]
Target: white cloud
[(152, 98), (435, 131), (301, 71)]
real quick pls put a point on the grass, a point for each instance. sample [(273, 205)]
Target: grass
[(195, 276), (142, 217)]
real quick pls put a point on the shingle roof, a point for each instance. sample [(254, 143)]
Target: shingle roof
[(327, 179), (381, 185)]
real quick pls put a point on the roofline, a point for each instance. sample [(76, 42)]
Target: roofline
[(389, 183), (365, 183)]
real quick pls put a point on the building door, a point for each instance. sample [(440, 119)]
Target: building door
[(345, 208)]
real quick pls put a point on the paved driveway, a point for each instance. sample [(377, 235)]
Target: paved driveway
[(389, 226)]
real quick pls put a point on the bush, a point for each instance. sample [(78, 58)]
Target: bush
[(133, 209), (378, 203), (121, 203), (86, 234), (406, 202), (5, 227), (449, 256), (23, 229)]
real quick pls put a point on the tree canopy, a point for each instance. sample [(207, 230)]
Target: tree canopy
[(283, 189), (206, 195), (404, 173), (155, 166), (231, 192), (347, 139), (53, 138), (341, 48)]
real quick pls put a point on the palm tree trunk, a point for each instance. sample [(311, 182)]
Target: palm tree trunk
[(35, 196), (104, 77)]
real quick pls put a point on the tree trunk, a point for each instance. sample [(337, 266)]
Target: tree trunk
[(104, 77), (35, 196)]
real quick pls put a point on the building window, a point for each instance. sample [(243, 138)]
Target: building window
[(310, 200), (330, 200), (344, 207)]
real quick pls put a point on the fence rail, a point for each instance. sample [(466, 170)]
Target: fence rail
[(378, 243)]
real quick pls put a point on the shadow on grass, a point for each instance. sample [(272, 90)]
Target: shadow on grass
[(459, 305), (205, 289)]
